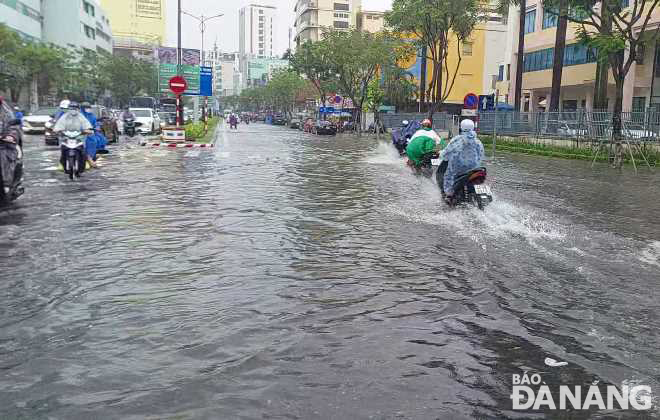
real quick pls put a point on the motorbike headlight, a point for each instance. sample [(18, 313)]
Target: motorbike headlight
[(49, 124)]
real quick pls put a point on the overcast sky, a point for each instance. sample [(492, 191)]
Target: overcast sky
[(225, 29)]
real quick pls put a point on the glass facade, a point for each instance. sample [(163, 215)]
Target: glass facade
[(574, 54), (549, 19)]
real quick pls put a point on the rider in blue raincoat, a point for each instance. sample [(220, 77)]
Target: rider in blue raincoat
[(463, 154), (96, 141)]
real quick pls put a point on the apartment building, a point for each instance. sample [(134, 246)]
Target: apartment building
[(24, 17), (314, 15), (641, 88), (256, 26), (77, 24), (370, 21)]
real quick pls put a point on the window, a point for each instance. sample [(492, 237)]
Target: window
[(89, 9), (261, 11), (467, 49), (574, 54), (549, 19), (639, 104), (508, 72), (261, 52), (341, 15), (530, 21), (569, 105), (261, 26), (369, 17), (261, 18), (341, 6), (625, 3), (89, 31), (500, 74), (340, 24)]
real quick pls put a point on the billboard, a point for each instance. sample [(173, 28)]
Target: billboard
[(189, 69), (150, 9)]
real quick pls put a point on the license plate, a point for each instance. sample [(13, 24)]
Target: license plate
[(482, 189), (435, 162)]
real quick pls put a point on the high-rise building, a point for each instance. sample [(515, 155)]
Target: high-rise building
[(312, 16), (23, 16), (76, 24), (256, 29), (138, 25)]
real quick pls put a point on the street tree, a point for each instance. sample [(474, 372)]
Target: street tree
[(312, 61), (358, 57), (438, 27), (399, 87), (375, 98)]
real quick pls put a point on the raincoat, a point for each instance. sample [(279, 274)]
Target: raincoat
[(463, 154), (95, 141), (72, 121), (422, 143)]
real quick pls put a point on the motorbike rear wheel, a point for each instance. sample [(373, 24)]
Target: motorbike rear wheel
[(71, 166)]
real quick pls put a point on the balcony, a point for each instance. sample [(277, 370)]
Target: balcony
[(305, 6)]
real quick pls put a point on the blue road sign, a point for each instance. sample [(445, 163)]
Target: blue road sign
[(486, 102), (206, 81)]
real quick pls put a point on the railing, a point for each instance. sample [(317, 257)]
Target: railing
[(572, 125), (441, 120)]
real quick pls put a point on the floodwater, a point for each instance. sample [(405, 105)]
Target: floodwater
[(288, 276)]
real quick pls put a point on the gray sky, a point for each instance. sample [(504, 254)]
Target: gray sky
[(225, 29)]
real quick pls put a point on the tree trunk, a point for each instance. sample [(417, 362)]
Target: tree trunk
[(422, 82), (616, 123), (603, 66), (519, 59), (558, 63)]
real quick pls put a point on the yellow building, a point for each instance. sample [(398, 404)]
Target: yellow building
[(137, 25), (478, 69)]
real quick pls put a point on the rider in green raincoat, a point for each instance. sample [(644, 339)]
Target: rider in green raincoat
[(423, 142)]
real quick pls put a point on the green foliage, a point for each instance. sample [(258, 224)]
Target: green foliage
[(375, 95), (313, 61), (280, 93), (399, 87), (357, 57), (439, 26), (77, 74)]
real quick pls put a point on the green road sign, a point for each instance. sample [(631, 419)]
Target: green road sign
[(190, 73)]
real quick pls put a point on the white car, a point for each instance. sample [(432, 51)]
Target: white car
[(148, 118), (35, 122)]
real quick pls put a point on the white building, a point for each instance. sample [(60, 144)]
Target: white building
[(77, 24), (225, 65), (314, 15), (23, 16), (256, 29)]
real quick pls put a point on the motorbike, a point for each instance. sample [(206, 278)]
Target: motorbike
[(401, 136), (130, 127), (73, 153), (233, 125), (469, 188), (11, 163), (50, 137)]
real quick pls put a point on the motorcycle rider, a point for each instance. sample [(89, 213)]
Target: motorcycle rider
[(463, 154), (423, 142), (97, 140), (73, 120), (18, 114), (11, 154), (64, 107), (233, 121)]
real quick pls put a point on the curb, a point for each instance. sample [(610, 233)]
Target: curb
[(179, 145)]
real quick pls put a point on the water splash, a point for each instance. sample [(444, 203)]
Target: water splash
[(651, 254)]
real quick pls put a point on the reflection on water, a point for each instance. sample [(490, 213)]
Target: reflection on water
[(292, 276)]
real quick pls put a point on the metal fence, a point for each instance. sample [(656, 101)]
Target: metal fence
[(441, 120), (639, 127)]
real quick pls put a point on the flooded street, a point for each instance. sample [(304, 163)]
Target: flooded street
[(290, 276)]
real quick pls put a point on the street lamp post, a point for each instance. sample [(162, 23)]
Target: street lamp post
[(202, 27)]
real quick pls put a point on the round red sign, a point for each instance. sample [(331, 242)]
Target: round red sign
[(178, 85)]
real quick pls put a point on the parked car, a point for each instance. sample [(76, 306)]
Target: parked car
[(35, 122), (167, 118), (148, 119), (294, 123), (279, 119), (324, 127), (307, 126)]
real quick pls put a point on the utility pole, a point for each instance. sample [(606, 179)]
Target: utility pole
[(202, 28), (179, 63)]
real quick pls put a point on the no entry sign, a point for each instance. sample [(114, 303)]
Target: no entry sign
[(178, 85)]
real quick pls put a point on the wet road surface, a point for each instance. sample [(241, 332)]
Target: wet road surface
[(284, 275)]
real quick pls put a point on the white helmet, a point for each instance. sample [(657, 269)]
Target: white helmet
[(65, 104), (467, 125), (405, 123)]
